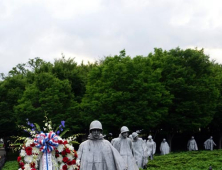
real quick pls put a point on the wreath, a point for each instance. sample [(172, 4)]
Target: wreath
[(46, 147)]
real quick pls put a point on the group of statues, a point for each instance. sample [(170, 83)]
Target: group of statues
[(208, 144), (122, 153)]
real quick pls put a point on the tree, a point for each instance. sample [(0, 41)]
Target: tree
[(11, 89), (48, 94), (216, 124), (125, 91), (188, 76)]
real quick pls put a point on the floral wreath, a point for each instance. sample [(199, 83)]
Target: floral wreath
[(47, 147)]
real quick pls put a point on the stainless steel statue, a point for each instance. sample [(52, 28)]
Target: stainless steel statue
[(124, 146), (192, 145), (164, 147), (151, 145), (140, 151), (97, 153), (209, 144)]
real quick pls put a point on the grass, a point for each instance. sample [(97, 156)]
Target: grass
[(11, 161), (193, 160), (10, 165)]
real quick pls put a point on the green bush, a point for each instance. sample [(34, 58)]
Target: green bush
[(10, 165), (193, 160)]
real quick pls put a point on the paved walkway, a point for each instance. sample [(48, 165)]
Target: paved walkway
[(2, 152), (2, 155)]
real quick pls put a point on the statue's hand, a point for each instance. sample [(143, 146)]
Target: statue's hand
[(78, 162)]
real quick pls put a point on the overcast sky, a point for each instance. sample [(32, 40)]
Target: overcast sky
[(91, 29)]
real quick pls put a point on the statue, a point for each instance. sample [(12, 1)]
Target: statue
[(209, 144), (97, 153), (124, 146), (140, 151), (164, 147), (151, 145), (131, 137), (192, 145)]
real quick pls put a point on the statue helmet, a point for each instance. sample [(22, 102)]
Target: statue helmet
[(124, 129), (149, 137), (134, 134), (95, 125)]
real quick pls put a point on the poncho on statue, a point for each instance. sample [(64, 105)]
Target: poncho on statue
[(99, 154), (209, 144), (124, 147), (164, 147), (192, 145), (139, 150)]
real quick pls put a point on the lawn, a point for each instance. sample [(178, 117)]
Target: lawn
[(193, 160)]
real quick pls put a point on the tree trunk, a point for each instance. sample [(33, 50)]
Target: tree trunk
[(169, 139)]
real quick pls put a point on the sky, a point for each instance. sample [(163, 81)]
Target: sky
[(88, 30)]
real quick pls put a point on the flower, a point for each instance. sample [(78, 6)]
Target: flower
[(63, 123), (63, 153), (19, 159), (60, 141), (32, 165), (71, 148), (28, 159), (29, 142), (73, 161), (67, 150), (22, 153), (64, 167), (70, 156), (61, 165), (35, 150), (60, 148), (60, 158), (27, 167), (21, 164), (65, 159), (28, 150)]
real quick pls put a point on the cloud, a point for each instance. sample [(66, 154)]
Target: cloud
[(90, 30)]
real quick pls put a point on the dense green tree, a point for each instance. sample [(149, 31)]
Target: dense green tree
[(48, 94), (11, 89), (124, 91), (216, 124), (188, 76)]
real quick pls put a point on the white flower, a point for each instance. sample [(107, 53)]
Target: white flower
[(20, 169), (44, 129), (69, 156), (28, 159), (27, 167), (22, 153), (71, 168), (46, 124), (71, 148), (29, 142), (35, 150), (59, 159), (60, 148), (61, 165)]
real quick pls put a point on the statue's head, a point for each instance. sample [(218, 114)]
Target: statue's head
[(164, 140), (95, 129), (149, 137), (192, 137), (124, 131), (211, 137), (135, 135)]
